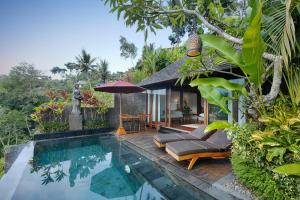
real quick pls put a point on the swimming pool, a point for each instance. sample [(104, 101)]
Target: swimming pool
[(96, 167)]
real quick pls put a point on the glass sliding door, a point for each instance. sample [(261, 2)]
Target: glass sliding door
[(234, 104), (215, 112), (157, 105)]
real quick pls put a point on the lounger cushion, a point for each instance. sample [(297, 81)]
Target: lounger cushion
[(172, 137), (199, 132), (182, 148), (219, 139)]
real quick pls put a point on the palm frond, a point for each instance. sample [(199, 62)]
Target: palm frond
[(279, 27)]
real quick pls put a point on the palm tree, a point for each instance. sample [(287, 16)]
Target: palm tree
[(104, 72), (58, 70), (84, 63)]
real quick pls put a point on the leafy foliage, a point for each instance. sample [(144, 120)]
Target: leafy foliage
[(12, 128), (55, 126), (218, 124), (150, 16), (153, 60), (289, 169), (51, 113), (128, 50), (93, 124), (279, 27), (292, 80), (256, 178), (1, 167), (22, 89), (263, 147), (103, 70)]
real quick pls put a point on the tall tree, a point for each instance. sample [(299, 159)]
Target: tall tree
[(104, 72), (153, 14), (58, 70), (84, 63), (23, 88), (128, 50)]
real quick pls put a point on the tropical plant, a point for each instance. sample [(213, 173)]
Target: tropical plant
[(23, 88), (12, 129), (103, 70), (281, 135), (292, 80), (58, 70), (128, 50), (257, 151), (1, 167), (49, 115), (137, 76), (218, 19), (289, 169), (279, 27), (84, 63)]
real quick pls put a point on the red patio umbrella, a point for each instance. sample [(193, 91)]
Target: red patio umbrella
[(121, 87)]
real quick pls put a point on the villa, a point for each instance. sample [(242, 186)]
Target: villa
[(166, 100)]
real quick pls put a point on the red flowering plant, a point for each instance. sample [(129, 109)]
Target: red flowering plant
[(93, 106), (51, 111), (89, 100)]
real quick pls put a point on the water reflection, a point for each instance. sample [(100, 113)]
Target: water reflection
[(95, 168), (56, 161)]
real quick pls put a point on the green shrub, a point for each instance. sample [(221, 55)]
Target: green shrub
[(1, 167), (54, 126), (258, 179), (93, 124), (253, 168)]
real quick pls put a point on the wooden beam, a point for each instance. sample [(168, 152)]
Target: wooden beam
[(151, 109), (206, 112), (181, 99), (166, 107), (156, 109), (169, 107)]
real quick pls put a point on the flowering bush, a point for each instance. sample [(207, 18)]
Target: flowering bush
[(259, 148), (99, 102), (51, 111)]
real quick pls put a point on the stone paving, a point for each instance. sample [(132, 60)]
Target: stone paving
[(207, 175), (209, 170)]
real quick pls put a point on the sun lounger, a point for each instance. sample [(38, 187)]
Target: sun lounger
[(198, 134), (216, 146)]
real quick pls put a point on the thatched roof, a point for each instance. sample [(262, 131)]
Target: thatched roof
[(171, 73)]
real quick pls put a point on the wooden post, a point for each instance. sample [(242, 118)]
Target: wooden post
[(205, 107), (169, 107), (121, 130), (166, 108), (151, 108), (156, 110), (181, 99)]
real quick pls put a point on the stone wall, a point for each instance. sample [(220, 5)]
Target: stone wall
[(132, 104)]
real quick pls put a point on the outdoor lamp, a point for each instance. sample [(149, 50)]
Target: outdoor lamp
[(193, 45)]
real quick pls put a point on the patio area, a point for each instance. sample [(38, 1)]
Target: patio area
[(208, 175)]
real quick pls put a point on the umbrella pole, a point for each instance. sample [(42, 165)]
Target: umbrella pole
[(121, 130)]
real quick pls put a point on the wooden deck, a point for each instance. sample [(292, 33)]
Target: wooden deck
[(208, 170)]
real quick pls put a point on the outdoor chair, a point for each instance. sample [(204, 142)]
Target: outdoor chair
[(127, 122), (161, 139), (143, 122), (216, 146)]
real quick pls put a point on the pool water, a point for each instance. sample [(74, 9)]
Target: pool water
[(97, 167)]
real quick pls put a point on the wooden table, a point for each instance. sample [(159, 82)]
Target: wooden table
[(133, 123)]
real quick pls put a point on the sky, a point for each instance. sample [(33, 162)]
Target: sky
[(49, 33)]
